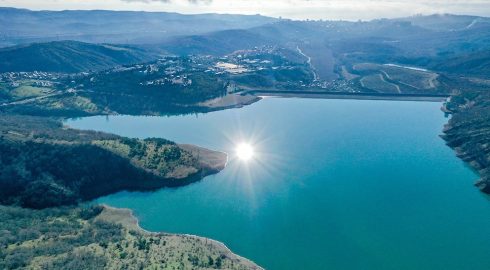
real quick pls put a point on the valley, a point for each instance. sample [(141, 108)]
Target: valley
[(141, 110)]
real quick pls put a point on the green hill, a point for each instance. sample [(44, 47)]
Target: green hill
[(69, 56), (471, 64), (44, 164)]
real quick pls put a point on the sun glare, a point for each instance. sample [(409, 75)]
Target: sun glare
[(244, 151)]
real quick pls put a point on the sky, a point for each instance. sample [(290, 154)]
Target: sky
[(294, 9)]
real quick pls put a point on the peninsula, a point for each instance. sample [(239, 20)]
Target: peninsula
[(101, 237), (44, 164)]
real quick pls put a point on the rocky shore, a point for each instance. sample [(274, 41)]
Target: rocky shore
[(468, 131)]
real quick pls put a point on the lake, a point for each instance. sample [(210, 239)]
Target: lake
[(334, 184)]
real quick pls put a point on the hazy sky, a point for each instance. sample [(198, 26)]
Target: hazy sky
[(297, 9)]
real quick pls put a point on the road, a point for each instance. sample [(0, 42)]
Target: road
[(308, 62)]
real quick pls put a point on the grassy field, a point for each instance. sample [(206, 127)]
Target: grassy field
[(413, 78), (347, 75), (396, 79), (28, 91), (377, 83), (25, 88)]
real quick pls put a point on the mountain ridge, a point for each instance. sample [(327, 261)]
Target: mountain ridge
[(69, 56)]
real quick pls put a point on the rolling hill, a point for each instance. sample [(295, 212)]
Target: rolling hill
[(446, 22), (424, 41), (472, 64), (69, 56), (21, 26)]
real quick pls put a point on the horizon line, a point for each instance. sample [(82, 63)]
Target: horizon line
[(243, 14)]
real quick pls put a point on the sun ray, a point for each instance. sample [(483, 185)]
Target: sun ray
[(244, 151)]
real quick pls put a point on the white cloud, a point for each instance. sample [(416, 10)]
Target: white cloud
[(297, 9)]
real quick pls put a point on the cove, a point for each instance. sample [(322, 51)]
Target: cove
[(335, 184)]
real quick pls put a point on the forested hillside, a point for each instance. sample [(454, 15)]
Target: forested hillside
[(468, 131), (44, 164), (69, 57)]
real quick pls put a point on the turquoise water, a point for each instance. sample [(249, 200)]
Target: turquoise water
[(335, 184)]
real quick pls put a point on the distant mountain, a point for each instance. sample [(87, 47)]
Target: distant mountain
[(446, 22), (424, 41), (419, 40), (292, 33), (472, 64), (217, 43), (227, 41), (101, 26), (69, 56)]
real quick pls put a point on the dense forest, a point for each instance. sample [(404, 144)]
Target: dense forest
[(44, 164)]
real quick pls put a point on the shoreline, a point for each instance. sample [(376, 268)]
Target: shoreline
[(249, 97), (466, 134), (126, 218), (348, 95), (230, 101)]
